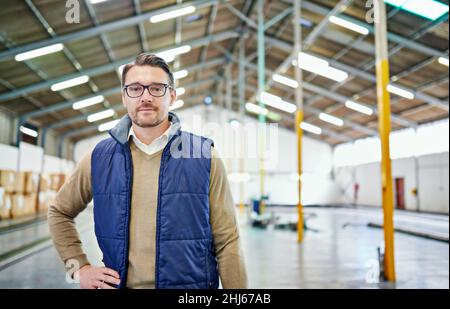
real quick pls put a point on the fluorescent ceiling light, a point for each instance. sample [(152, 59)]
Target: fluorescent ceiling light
[(309, 60), (331, 119), (108, 125), (180, 74), (172, 14), (310, 128), (88, 102), (285, 80), (176, 104), (169, 55), (100, 115), (39, 52), (28, 131), (180, 91), (429, 9), (349, 25), (400, 91), (359, 107), (256, 109), (443, 61), (70, 83), (320, 67), (97, 1), (277, 102)]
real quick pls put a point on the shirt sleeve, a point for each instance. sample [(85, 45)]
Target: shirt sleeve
[(71, 199), (225, 228)]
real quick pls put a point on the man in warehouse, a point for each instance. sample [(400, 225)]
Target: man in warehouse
[(162, 220)]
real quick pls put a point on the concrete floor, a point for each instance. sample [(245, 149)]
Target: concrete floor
[(339, 251)]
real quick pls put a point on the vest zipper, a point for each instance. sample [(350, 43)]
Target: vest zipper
[(158, 214), (130, 188)]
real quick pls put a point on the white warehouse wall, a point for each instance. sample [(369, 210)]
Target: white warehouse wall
[(420, 156), (28, 158), (433, 178)]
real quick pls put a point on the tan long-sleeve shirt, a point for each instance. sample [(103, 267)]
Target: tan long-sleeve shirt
[(76, 193)]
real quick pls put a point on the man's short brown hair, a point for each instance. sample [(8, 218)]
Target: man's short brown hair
[(151, 60)]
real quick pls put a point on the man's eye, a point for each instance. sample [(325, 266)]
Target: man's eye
[(157, 88), (134, 88)]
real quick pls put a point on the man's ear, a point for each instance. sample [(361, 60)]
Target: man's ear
[(123, 99), (173, 97)]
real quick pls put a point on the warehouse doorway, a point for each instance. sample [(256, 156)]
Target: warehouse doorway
[(399, 193)]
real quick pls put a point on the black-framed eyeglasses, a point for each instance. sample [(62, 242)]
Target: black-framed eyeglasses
[(136, 90)]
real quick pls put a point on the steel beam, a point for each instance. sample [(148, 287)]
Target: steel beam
[(93, 31)]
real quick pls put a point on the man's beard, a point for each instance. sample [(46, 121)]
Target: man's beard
[(145, 124)]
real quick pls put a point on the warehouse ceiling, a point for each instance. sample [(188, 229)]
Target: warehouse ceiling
[(113, 32)]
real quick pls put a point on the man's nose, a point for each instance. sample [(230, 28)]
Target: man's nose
[(146, 96)]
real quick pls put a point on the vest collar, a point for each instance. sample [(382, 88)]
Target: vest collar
[(121, 130)]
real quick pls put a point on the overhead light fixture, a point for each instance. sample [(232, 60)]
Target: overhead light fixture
[(310, 128), (28, 131), (305, 22), (97, 1), (331, 119), (180, 74), (285, 80), (100, 115), (173, 14), (359, 107), (400, 91), (277, 102), (39, 52), (256, 109), (320, 67), (108, 125), (234, 123), (443, 61), (88, 102), (180, 91), (429, 9), (194, 18), (349, 25), (169, 55), (176, 104), (207, 100), (70, 83)]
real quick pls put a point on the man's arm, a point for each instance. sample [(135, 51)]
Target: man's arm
[(225, 228), (72, 199)]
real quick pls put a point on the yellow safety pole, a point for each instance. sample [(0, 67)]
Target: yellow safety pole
[(298, 121), (241, 89), (261, 88), (299, 114), (384, 124)]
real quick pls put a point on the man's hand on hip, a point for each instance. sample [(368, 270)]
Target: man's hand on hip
[(91, 277)]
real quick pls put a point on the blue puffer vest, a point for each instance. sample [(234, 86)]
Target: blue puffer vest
[(185, 253)]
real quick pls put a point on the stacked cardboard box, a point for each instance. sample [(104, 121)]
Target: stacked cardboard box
[(25, 193), (19, 194), (31, 182), (56, 182), (45, 197), (12, 181), (5, 204)]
